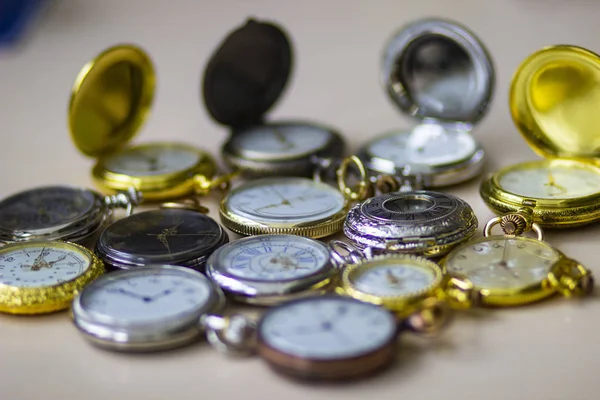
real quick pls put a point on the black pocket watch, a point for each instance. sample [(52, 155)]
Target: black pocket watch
[(243, 79), (169, 235)]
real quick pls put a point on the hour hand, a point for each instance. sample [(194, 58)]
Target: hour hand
[(130, 294)]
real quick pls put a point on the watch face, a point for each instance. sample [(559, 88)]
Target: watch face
[(327, 328), (503, 263), (41, 264), (160, 237), (552, 180), (153, 159), (45, 208), (271, 258), (285, 201), (426, 144), (148, 296), (280, 141), (394, 277), (410, 207)]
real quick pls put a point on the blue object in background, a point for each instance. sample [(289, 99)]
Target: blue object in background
[(14, 16)]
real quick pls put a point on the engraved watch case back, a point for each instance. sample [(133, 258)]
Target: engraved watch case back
[(440, 73), (52, 213), (552, 102), (243, 79), (110, 101), (422, 222), (165, 236)]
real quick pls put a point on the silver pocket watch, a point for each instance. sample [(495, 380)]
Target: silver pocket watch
[(269, 269), (60, 213), (243, 79), (420, 222), (176, 236), (146, 309), (440, 73)]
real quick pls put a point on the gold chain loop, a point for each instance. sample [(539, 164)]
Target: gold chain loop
[(362, 188)]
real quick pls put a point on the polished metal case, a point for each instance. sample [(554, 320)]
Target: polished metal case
[(445, 222), (243, 79), (120, 335), (78, 229), (266, 293), (194, 257), (423, 72)]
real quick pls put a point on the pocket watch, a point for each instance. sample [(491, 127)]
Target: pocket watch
[(147, 309), (402, 283), (511, 269), (292, 205), (110, 100), (420, 222), (551, 103), (440, 73), (182, 237), (59, 213), (243, 79), (39, 277), (269, 269), (326, 337)]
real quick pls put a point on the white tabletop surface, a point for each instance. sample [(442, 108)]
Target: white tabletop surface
[(547, 351)]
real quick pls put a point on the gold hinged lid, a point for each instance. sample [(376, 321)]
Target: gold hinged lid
[(555, 99), (110, 99)]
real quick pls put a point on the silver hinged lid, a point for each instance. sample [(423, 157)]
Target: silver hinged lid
[(438, 70)]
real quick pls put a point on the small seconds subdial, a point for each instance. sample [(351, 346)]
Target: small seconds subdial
[(281, 141), (393, 278), (552, 179), (144, 296), (158, 159), (505, 263), (273, 258), (327, 328), (291, 200), (41, 264)]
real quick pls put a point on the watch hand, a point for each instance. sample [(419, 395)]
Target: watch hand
[(282, 139), (503, 263), (145, 299), (51, 263), (552, 183), (391, 278), (162, 294), (284, 201)]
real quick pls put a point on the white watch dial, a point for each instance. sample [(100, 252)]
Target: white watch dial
[(281, 141), (146, 296), (273, 258), (327, 328), (285, 201), (503, 263), (42, 265), (393, 278), (152, 160), (426, 144), (552, 180)]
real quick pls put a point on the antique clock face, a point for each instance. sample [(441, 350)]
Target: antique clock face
[(327, 328), (150, 160), (409, 207), (160, 236), (503, 263), (280, 141), (552, 181), (272, 258), (278, 200), (45, 208), (42, 264)]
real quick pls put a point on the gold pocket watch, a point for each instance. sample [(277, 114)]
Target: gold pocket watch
[(404, 284), (512, 269), (553, 104), (293, 205), (110, 100), (39, 277)]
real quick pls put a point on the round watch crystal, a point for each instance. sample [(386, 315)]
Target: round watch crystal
[(153, 159)]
